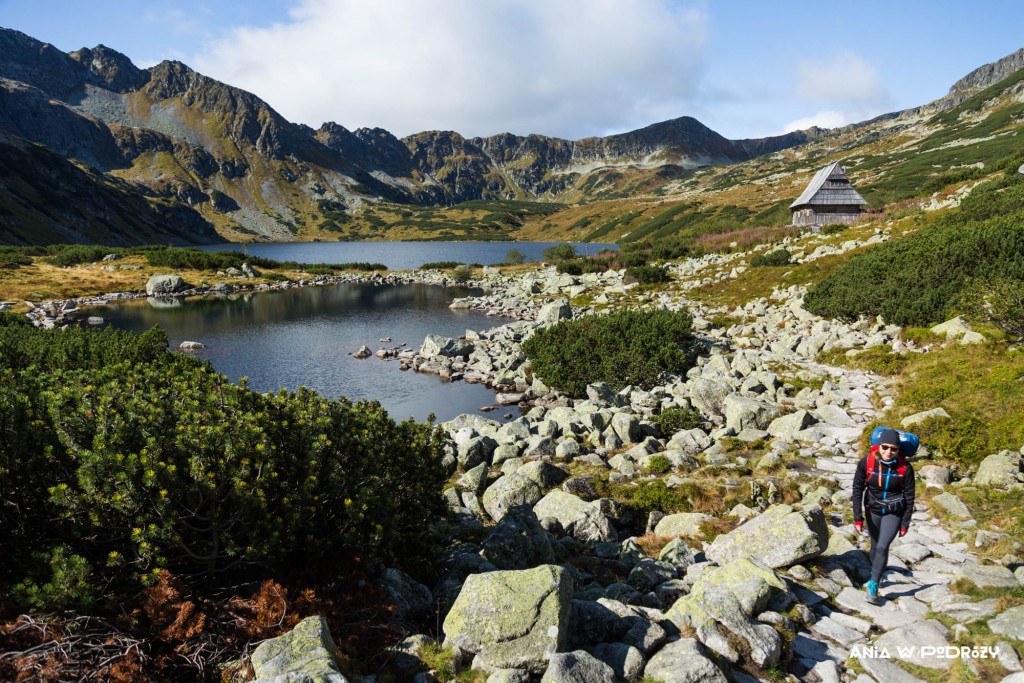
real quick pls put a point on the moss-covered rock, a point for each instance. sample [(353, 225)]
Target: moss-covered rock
[(305, 654), (512, 619), (780, 537)]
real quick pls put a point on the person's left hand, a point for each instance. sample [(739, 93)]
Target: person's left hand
[(903, 532)]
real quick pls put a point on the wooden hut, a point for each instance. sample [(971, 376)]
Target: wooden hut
[(828, 198)]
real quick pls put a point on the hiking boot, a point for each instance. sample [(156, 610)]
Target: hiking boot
[(872, 590)]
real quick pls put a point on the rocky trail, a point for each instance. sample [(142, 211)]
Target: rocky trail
[(548, 574)]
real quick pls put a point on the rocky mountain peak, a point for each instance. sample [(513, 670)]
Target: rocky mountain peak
[(987, 75), (110, 68), (38, 64)]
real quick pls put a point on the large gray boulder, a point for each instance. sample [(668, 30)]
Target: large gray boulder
[(625, 660), (162, 285), (683, 661), (577, 667), (707, 394), (413, 601), (509, 491), (580, 519), (779, 537), (1001, 469), (786, 426), (512, 619), (742, 412), (727, 597), (518, 541), (553, 312), (435, 345), (304, 655), (1009, 623), (681, 524)]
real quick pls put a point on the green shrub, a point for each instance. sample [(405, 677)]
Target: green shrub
[(441, 265), (11, 319), (66, 255), (118, 460), (672, 420), (834, 228), (462, 274), (570, 267), (647, 275), (69, 585), (658, 464), (559, 252), (622, 348), (514, 257), (999, 301), (779, 257), (915, 280)]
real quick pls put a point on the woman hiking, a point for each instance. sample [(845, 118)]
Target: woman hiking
[(883, 492)]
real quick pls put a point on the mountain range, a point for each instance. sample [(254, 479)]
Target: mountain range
[(94, 149)]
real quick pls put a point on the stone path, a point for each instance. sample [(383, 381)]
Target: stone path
[(922, 564)]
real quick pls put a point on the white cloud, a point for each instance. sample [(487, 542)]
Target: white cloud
[(568, 67), (844, 77), (822, 119)]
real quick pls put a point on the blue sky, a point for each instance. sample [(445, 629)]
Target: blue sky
[(571, 68)]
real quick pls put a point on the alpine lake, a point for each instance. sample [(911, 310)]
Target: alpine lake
[(305, 336)]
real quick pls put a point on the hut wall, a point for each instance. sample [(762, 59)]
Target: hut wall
[(826, 217)]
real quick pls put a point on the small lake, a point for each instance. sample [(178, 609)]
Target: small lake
[(401, 255), (304, 336)]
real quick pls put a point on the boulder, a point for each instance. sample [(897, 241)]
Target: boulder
[(435, 345), (779, 537), (742, 412), (1009, 623), (683, 661), (727, 597), (987, 576), (1001, 470), (952, 504), (930, 633), (551, 313), (580, 519), (518, 541), (509, 491), (477, 450), (648, 574), (681, 524), (306, 653), (678, 554), (786, 426), (935, 476), (707, 394), (413, 601), (625, 660), (162, 285), (953, 328), (577, 667), (917, 418), (512, 619)]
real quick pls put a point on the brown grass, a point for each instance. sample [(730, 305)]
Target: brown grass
[(653, 544)]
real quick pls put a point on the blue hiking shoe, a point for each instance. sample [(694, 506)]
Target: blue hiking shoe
[(872, 589)]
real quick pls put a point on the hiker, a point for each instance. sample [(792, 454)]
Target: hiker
[(883, 493)]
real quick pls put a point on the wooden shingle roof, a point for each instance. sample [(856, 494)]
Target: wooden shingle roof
[(829, 186)]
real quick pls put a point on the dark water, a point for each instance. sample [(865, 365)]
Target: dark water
[(304, 336), (400, 255)]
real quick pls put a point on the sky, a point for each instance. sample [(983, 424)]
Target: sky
[(566, 68)]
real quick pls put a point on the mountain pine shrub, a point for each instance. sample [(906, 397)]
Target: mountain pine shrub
[(622, 348), (647, 275), (915, 280), (119, 460), (779, 257)]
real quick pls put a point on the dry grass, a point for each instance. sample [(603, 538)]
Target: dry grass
[(653, 544)]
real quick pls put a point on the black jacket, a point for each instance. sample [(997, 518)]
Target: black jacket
[(883, 482)]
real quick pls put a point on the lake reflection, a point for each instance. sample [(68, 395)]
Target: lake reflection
[(304, 336)]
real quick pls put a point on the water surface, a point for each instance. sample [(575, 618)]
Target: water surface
[(400, 255), (304, 336)]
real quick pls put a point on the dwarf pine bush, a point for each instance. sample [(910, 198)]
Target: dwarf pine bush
[(622, 348)]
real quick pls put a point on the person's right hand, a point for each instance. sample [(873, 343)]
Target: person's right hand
[(859, 526)]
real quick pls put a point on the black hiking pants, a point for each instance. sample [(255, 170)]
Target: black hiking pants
[(882, 529)]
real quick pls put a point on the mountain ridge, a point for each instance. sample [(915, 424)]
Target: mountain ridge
[(227, 155)]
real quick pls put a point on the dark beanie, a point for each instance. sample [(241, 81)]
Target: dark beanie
[(889, 437)]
